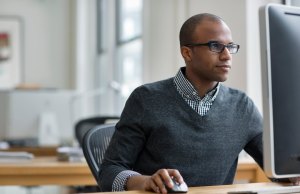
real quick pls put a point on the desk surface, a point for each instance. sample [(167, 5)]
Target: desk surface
[(45, 171), (249, 171), (223, 189), (49, 171), (36, 151)]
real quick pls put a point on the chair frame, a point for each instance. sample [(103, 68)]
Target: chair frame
[(91, 151), (94, 121)]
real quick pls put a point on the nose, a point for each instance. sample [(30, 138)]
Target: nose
[(225, 55)]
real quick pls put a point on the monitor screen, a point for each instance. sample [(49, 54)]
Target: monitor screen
[(280, 59)]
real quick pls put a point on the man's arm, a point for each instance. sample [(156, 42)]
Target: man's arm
[(125, 146)]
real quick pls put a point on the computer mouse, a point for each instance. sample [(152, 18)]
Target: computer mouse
[(177, 188)]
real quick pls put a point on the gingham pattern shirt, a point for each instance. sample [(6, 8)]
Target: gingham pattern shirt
[(190, 95), (120, 181)]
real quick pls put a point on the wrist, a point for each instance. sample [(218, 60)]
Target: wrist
[(138, 182)]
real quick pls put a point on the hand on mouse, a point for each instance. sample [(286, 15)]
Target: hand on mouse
[(162, 179), (295, 181)]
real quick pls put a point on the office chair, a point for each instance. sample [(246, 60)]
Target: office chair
[(95, 143), (82, 126)]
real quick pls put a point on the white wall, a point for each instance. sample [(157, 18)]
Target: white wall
[(160, 36), (253, 68), (46, 36)]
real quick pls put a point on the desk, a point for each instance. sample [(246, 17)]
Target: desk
[(45, 171), (49, 171), (250, 171), (223, 189), (36, 151)]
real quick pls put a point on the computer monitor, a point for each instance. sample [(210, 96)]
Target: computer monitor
[(280, 60)]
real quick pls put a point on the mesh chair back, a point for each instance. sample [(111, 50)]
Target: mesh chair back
[(84, 125), (95, 143)]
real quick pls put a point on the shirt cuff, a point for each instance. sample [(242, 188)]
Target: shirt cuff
[(120, 181)]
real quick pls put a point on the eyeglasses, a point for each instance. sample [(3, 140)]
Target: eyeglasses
[(217, 47)]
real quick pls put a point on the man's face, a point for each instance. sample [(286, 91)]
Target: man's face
[(203, 65)]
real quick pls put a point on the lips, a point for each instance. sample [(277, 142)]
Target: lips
[(224, 68)]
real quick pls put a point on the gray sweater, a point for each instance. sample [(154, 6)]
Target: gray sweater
[(158, 129)]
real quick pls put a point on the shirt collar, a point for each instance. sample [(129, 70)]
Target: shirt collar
[(185, 87)]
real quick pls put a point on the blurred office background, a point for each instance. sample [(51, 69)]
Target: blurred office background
[(73, 59)]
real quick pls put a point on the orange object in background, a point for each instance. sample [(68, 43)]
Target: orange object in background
[(5, 50)]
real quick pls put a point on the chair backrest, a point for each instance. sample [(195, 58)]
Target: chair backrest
[(95, 143), (82, 126)]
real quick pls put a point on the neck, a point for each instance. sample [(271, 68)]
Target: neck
[(202, 86), (203, 89)]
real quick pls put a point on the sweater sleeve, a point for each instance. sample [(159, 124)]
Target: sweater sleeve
[(254, 146), (125, 145)]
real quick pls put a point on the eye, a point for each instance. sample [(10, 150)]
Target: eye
[(216, 46), (232, 46)]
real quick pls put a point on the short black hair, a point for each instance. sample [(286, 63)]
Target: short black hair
[(189, 26)]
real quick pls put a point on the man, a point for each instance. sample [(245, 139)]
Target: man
[(190, 127)]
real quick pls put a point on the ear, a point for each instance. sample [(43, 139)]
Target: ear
[(186, 53)]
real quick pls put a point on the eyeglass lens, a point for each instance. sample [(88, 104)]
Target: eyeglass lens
[(218, 47)]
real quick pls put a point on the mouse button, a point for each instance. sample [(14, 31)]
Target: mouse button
[(183, 187)]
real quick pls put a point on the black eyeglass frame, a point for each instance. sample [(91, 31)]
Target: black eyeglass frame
[(210, 43)]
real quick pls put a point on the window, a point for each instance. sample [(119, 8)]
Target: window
[(129, 20), (119, 45)]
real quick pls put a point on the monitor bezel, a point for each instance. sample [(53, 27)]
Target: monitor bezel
[(268, 134)]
